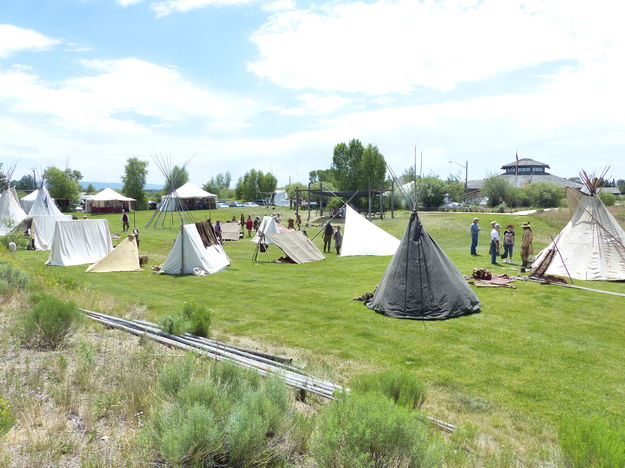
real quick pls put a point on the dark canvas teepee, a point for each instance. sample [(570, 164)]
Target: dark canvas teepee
[(421, 282)]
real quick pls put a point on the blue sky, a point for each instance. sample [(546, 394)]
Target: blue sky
[(274, 85)]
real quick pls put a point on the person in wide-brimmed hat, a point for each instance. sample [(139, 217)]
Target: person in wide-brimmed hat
[(475, 230), (527, 248)]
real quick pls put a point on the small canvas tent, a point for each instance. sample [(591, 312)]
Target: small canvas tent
[(362, 237), (108, 201), (193, 197), (28, 200), (196, 249), (590, 247), (296, 246), (230, 231), (44, 204), (11, 213), (42, 229), (267, 226), (124, 257), (421, 282), (79, 242)]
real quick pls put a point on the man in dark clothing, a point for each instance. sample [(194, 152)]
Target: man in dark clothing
[(125, 222), (327, 238), (217, 230)]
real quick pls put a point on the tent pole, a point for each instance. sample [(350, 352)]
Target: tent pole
[(392, 199), (308, 202), (320, 201), (381, 201), (369, 199)]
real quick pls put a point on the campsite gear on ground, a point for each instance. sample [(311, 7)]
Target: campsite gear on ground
[(196, 246), (362, 237), (79, 242), (421, 282), (124, 257), (591, 246), (483, 278), (481, 274)]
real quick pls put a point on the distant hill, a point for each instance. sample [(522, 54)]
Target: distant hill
[(115, 185)]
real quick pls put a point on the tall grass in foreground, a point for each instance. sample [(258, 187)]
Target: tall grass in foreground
[(194, 319), (592, 442), (399, 385)]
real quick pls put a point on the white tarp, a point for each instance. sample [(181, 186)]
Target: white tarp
[(362, 237), (189, 253), (79, 242), (267, 226), (124, 257), (190, 190), (44, 204), (11, 213), (28, 200), (280, 198), (42, 229), (591, 245)]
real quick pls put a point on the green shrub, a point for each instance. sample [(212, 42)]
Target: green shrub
[(199, 318), (175, 324), (431, 191), (607, 198), (399, 385), (544, 194), (496, 189), (592, 441), (369, 430), (5, 288), (48, 323), (6, 417), (13, 276), (175, 375)]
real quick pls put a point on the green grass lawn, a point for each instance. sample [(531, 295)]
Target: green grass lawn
[(533, 355)]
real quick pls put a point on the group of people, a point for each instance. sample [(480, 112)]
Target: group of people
[(509, 237), (328, 234)]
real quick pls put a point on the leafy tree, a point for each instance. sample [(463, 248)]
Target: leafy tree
[(218, 184), (3, 179), (409, 175), (135, 174), (26, 183), (321, 175), (61, 185), (346, 164), (496, 188), (179, 177), (544, 194), (74, 174), (255, 184), (621, 185), (608, 199), (431, 191), (90, 189), (372, 170), (455, 188)]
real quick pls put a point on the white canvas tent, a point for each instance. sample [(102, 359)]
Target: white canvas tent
[(42, 229), (362, 237), (79, 242), (590, 247), (11, 213), (108, 201), (190, 253), (28, 200), (267, 226), (124, 257), (230, 231), (280, 198), (297, 246), (44, 204), (192, 196)]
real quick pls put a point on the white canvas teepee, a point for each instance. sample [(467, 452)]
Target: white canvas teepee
[(189, 253), (124, 257), (590, 247), (44, 204), (11, 213), (79, 242), (267, 226), (362, 237), (28, 200)]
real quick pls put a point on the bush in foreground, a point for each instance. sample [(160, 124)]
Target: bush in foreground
[(399, 385), (14, 277), (193, 318), (369, 430), (6, 417), (48, 323), (592, 442)]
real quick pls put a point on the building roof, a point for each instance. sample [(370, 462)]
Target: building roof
[(525, 162), (612, 190)]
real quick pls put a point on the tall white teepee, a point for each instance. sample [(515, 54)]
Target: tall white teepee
[(362, 237), (267, 226), (11, 213), (590, 247), (44, 204)]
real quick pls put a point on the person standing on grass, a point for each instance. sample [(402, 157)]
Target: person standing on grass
[(298, 221), (495, 241), (475, 230), (527, 248), (125, 222), (338, 240), (249, 224), (291, 224), (327, 238), (256, 223), (218, 231), (508, 243)]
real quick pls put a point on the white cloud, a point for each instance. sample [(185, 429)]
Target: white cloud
[(394, 46), (168, 7), (14, 39), (279, 5), (126, 3), (317, 105)]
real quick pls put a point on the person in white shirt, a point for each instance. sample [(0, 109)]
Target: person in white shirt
[(495, 242)]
